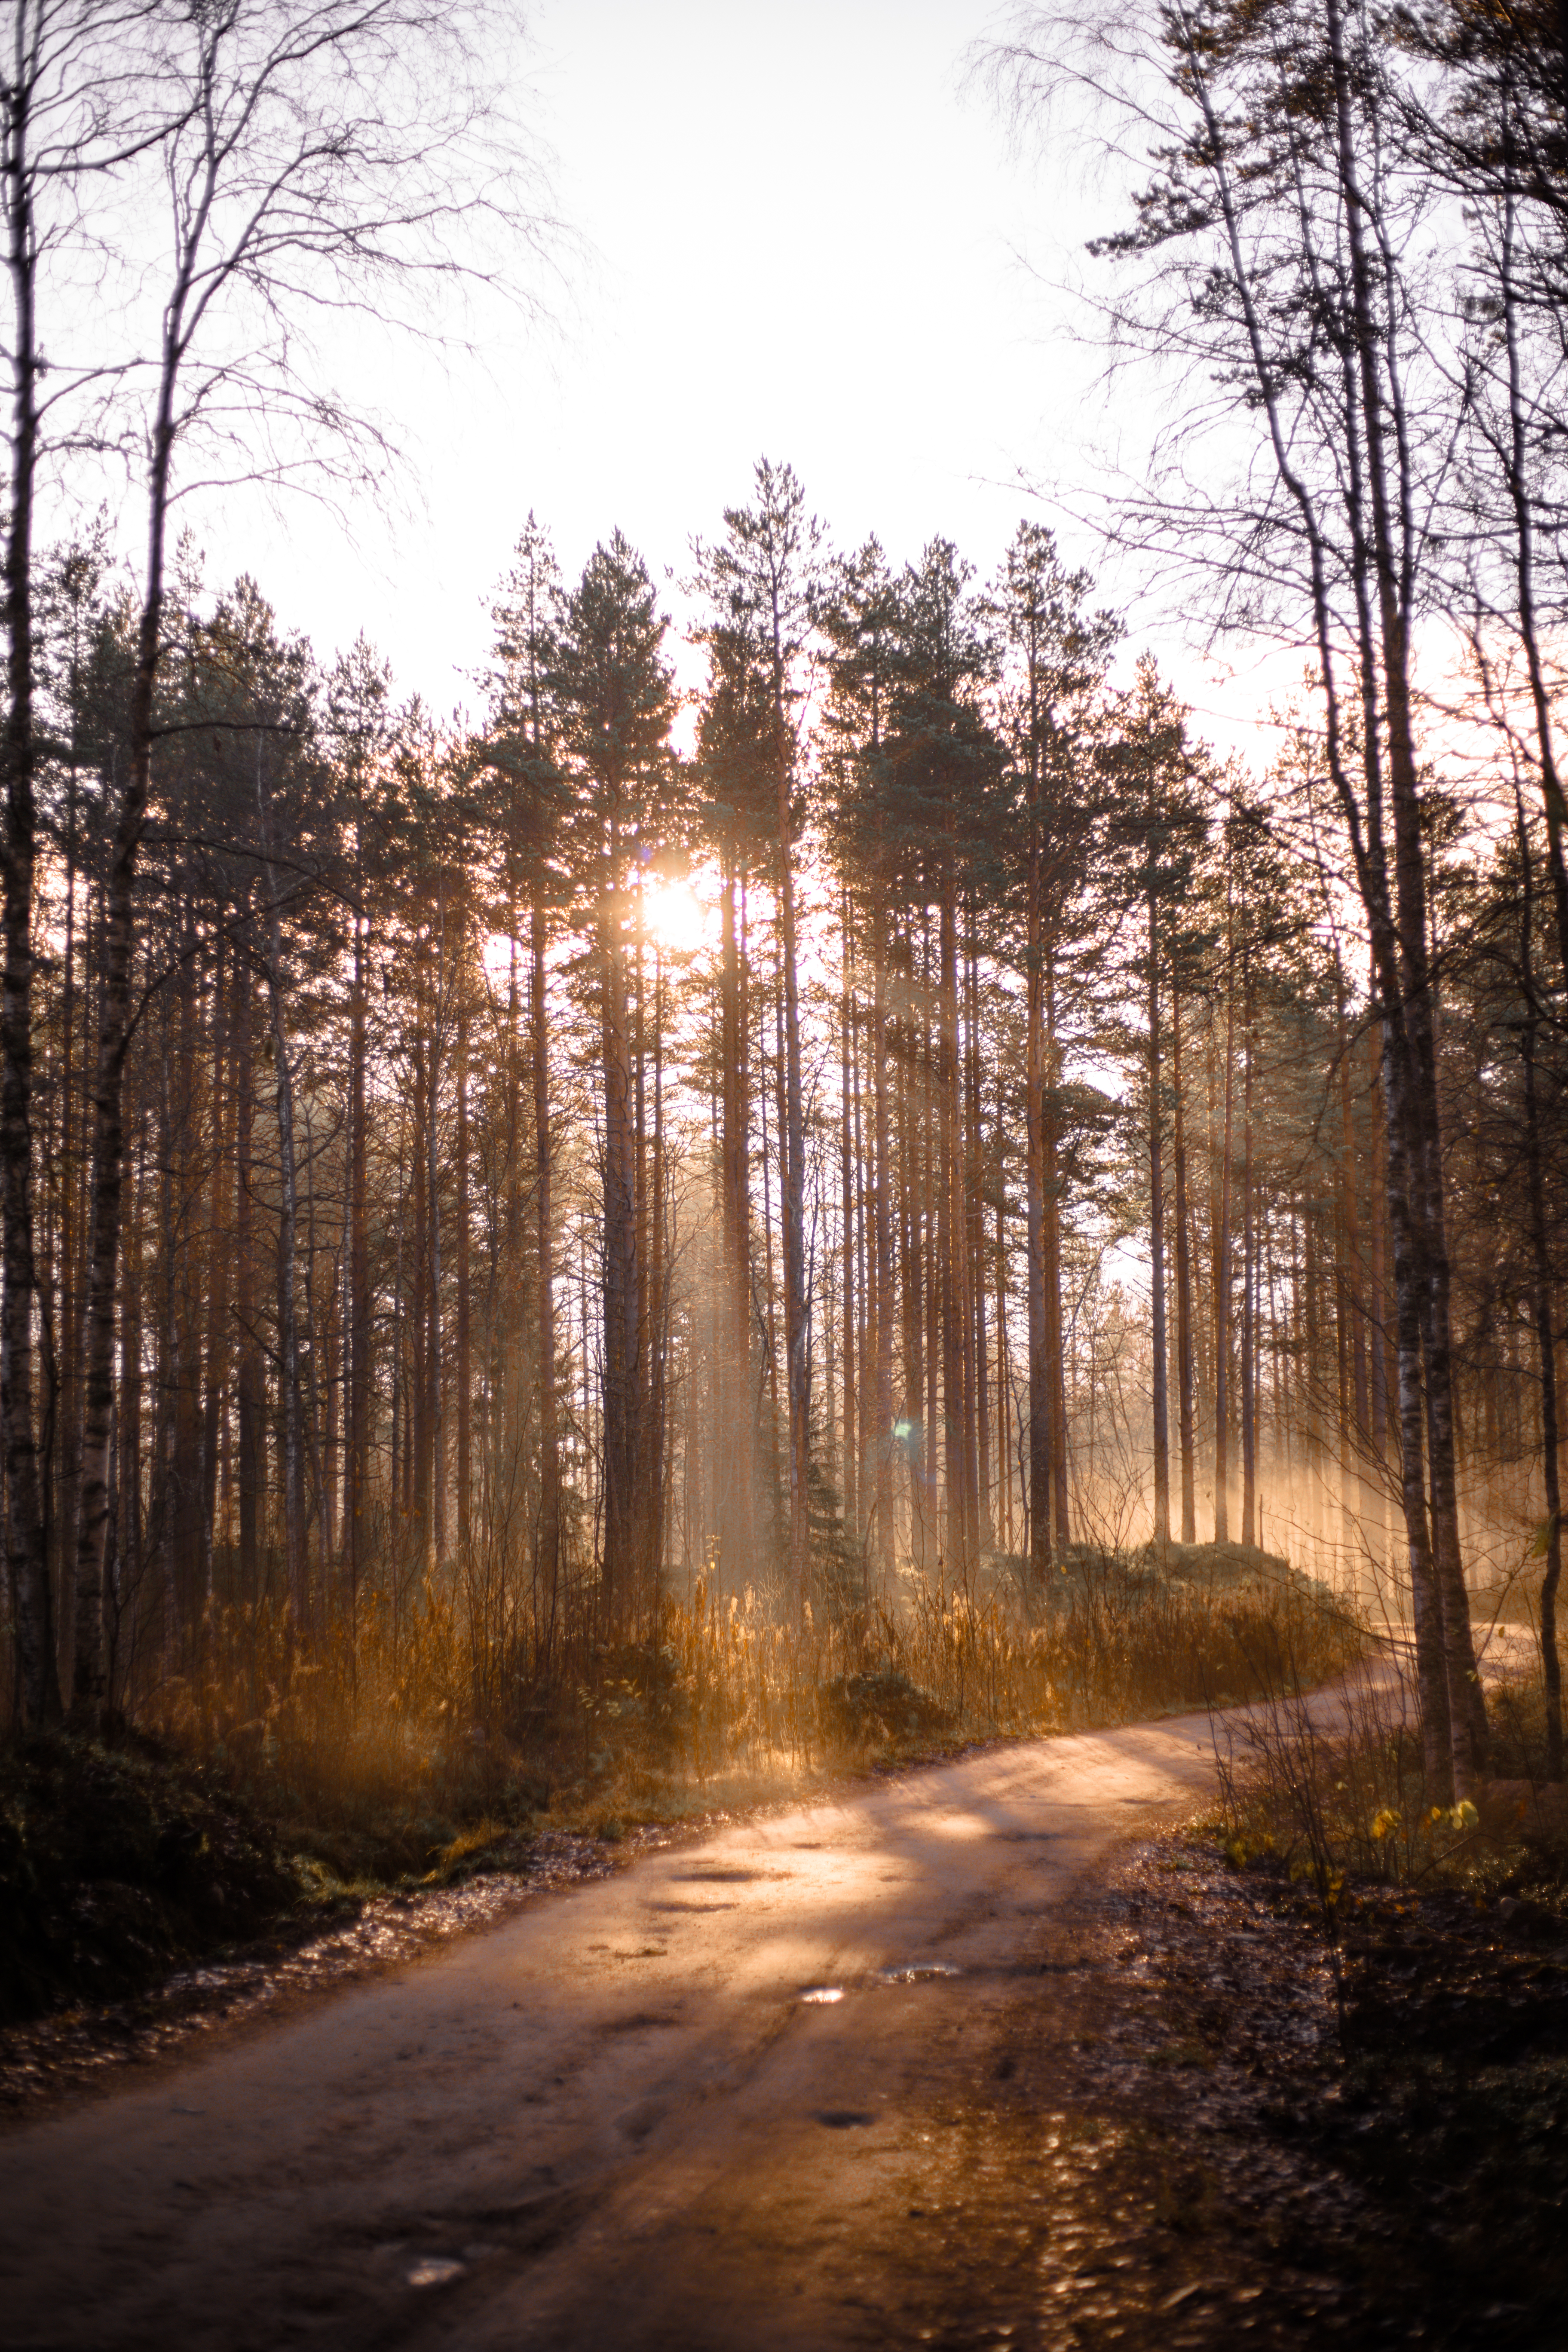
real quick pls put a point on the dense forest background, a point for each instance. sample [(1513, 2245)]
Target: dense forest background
[(899, 1116)]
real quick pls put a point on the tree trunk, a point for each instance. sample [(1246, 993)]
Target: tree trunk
[(792, 1209), (1517, 478), (293, 1465), (1414, 1091), (1545, 1342), (548, 1558), (950, 1239), (1183, 1284), (1157, 1249), (623, 1317), (1222, 1284), (115, 1027), (435, 1413), (848, 1106), (463, 1370), (216, 1346), (1056, 1348), (882, 1239), (1248, 1282), (1039, 1206), (1420, 1264), (357, 1450), (26, 1558), (981, 1527)]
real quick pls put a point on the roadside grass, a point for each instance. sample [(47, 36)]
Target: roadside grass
[(277, 1773), (380, 1754), (1351, 1805), (1443, 2086)]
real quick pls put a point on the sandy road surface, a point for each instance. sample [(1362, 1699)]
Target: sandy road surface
[(612, 2121)]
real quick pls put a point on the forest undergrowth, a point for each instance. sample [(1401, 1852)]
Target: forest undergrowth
[(1350, 1807), (275, 1773), (1438, 2088)]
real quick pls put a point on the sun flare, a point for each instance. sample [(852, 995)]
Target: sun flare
[(675, 917)]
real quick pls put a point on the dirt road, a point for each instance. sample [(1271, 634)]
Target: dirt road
[(688, 2106)]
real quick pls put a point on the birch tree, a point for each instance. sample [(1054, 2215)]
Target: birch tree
[(1271, 248), (77, 106)]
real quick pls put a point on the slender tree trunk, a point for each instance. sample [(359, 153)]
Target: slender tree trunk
[(250, 1384), (849, 1485), (1545, 1343), (435, 1415), (216, 1346), (185, 1276), (1414, 1093), (950, 1238), (125, 1551), (1038, 1207), (736, 1434), (357, 1447), (882, 1237), (1056, 1345), (25, 1555), (912, 1350), (68, 1443), (867, 1303), (1377, 1278), (622, 1315), (548, 1565), (1420, 1261), (1249, 1280), (792, 1209), (463, 1369), (1354, 1304), (1157, 1248), (117, 1015), (1183, 1282), (293, 1466), (929, 1236), (1516, 474), (983, 1529), (1222, 1284)]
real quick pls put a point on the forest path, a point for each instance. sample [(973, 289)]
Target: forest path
[(612, 2120)]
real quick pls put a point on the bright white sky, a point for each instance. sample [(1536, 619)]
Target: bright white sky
[(799, 236), (796, 231)]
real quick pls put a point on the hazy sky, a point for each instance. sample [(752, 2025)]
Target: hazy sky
[(798, 234)]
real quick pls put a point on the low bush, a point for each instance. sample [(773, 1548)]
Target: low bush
[(117, 1863), (1342, 1798)]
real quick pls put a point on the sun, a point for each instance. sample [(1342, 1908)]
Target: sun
[(675, 916)]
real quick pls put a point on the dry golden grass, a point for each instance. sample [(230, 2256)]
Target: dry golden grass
[(387, 1750), (1354, 1803)]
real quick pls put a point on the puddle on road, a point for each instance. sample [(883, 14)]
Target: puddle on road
[(843, 2118), (916, 1972), (821, 1996), (437, 2270), (719, 1878)]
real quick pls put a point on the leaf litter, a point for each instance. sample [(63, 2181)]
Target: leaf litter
[(1173, 2145)]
